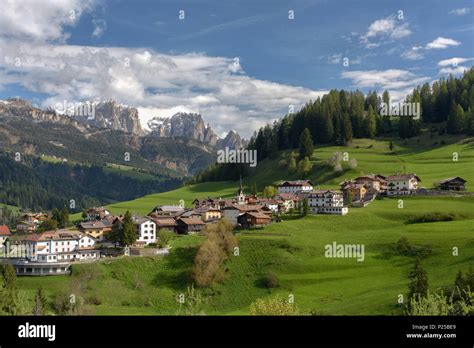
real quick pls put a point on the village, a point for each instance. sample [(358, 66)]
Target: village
[(53, 251)]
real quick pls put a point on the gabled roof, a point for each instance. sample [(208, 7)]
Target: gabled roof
[(371, 177), (244, 207), (164, 221), (4, 230), (402, 177), (191, 221), (322, 192), (171, 208), (458, 178), (258, 215), (87, 225), (296, 183)]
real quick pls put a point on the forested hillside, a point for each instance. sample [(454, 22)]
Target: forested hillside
[(36, 184), (446, 107)]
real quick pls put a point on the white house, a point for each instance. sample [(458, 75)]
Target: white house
[(402, 184), (295, 186), (60, 245), (327, 202), (146, 230), (289, 201)]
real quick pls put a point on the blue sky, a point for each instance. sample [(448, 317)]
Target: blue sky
[(229, 60)]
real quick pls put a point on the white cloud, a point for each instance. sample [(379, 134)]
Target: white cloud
[(417, 52), (412, 55), (458, 70), (217, 87), (40, 20), (441, 43), (460, 11), (390, 27), (453, 61), (398, 82)]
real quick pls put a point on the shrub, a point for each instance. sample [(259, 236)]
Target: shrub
[(164, 236), (212, 253), (273, 306), (282, 163), (432, 217), (270, 280)]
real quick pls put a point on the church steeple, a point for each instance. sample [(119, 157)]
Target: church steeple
[(241, 194)]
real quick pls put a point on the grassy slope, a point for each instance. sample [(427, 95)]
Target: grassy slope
[(294, 249)]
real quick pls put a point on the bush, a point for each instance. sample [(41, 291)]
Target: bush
[(212, 253), (432, 217), (164, 236), (273, 306), (270, 280), (282, 163)]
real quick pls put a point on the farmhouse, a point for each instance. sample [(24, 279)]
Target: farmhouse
[(165, 222), (167, 210), (295, 186), (233, 211), (190, 225), (327, 202), (452, 184), (272, 204), (29, 222), (94, 228), (253, 219), (402, 184), (372, 182), (353, 192), (209, 214), (289, 201), (97, 213), (146, 229)]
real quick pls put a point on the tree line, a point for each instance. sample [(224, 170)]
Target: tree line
[(340, 116)]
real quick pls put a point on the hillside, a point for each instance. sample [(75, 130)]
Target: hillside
[(294, 251), (430, 162)]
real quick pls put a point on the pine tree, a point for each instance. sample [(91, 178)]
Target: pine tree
[(40, 303), (8, 290), (130, 233), (305, 207), (418, 281), (456, 120), (371, 123), (306, 144)]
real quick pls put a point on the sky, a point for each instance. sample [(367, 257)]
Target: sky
[(241, 64)]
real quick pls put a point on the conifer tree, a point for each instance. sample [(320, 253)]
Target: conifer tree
[(306, 144)]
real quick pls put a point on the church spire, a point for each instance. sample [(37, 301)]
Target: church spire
[(241, 195)]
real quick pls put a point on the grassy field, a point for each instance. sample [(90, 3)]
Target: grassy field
[(431, 163), (294, 251)]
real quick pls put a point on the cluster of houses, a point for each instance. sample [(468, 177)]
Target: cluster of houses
[(52, 252)]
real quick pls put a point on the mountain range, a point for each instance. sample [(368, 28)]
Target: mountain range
[(102, 132)]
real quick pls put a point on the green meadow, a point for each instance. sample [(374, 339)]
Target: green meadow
[(294, 249)]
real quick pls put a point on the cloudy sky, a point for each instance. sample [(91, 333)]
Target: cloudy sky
[(240, 64)]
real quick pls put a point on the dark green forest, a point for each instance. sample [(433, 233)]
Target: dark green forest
[(37, 185)]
